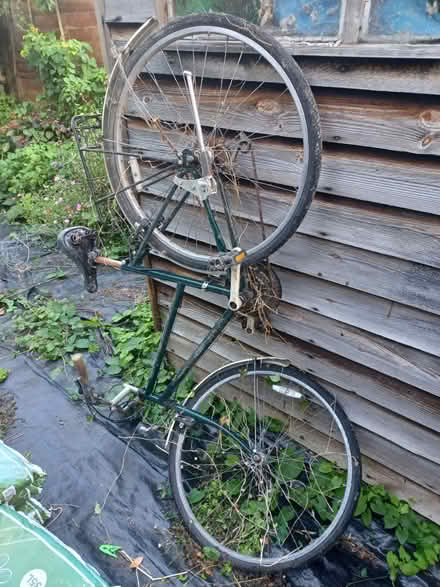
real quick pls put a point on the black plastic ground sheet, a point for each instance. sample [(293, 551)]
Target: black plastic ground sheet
[(103, 485)]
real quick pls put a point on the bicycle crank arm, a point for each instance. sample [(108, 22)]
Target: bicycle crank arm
[(235, 300)]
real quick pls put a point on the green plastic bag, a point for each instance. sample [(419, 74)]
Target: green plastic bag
[(31, 556), (21, 483)]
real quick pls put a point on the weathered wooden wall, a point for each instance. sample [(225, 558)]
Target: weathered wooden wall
[(361, 278), (79, 21)]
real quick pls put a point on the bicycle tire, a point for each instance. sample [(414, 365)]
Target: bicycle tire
[(186, 250), (188, 452)]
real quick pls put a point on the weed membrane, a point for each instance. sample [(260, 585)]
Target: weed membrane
[(104, 485)]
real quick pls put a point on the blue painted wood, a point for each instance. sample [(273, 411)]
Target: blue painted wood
[(406, 18), (308, 17)]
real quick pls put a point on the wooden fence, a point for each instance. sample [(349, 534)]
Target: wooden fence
[(78, 20), (361, 278)]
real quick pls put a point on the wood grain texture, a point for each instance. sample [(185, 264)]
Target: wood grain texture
[(135, 11), (387, 357), (371, 416), (379, 120), (297, 47), (390, 231), (403, 75), (362, 174), (398, 280), (426, 502), (385, 393)]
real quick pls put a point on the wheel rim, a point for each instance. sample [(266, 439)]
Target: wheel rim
[(283, 535), (245, 195)]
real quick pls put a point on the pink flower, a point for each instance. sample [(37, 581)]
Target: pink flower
[(78, 207)]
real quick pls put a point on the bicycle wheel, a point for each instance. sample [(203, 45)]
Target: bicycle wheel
[(287, 500), (259, 124)]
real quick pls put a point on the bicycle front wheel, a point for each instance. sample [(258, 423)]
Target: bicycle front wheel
[(289, 497), (258, 122)]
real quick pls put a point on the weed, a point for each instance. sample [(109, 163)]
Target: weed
[(53, 329)]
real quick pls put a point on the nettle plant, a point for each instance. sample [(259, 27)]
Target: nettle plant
[(73, 82)]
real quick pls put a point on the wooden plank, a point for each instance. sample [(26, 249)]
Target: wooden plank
[(388, 425), (393, 321), (135, 11), (298, 47), (397, 280), (426, 502), (405, 75), (379, 121), (362, 174), (409, 365), (396, 233), (387, 393), (350, 28)]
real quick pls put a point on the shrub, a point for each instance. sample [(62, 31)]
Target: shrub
[(73, 83)]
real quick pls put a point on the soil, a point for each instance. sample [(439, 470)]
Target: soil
[(7, 412)]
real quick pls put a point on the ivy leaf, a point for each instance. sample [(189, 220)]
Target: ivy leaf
[(367, 517), (195, 495), (326, 467), (361, 505), (404, 508), (410, 568), (211, 553), (390, 520), (287, 513), (392, 559), (401, 534), (378, 507)]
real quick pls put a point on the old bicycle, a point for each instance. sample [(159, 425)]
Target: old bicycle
[(263, 462)]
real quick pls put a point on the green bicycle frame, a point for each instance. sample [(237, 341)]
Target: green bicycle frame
[(164, 398)]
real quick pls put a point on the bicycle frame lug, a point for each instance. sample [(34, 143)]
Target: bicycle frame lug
[(202, 187)]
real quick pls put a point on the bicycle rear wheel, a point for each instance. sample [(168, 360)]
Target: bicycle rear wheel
[(288, 499), (259, 123)]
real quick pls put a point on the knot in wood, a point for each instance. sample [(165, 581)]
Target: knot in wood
[(268, 106)]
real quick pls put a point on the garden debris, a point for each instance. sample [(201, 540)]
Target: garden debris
[(7, 412)]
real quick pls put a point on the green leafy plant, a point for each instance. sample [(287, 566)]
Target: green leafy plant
[(419, 539), (26, 171), (7, 107), (54, 329), (4, 373), (73, 83)]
